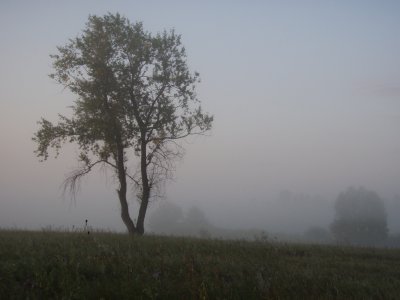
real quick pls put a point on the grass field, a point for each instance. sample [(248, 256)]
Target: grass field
[(75, 265)]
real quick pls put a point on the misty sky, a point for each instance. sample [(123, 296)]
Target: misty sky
[(305, 94)]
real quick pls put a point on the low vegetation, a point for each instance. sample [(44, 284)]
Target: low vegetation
[(78, 265)]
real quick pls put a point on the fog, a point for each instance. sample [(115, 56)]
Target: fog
[(306, 100)]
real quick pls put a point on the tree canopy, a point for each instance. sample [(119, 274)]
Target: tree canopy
[(360, 217), (135, 99)]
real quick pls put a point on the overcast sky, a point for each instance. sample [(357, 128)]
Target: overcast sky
[(305, 94)]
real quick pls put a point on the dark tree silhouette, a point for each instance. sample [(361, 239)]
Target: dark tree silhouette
[(360, 218), (134, 92)]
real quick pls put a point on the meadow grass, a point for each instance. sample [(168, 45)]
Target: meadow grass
[(77, 265)]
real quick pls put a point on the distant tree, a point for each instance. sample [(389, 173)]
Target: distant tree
[(393, 209), (195, 217), (196, 223), (360, 218), (166, 218), (135, 98)]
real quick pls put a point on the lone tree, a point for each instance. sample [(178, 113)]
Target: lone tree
[(360, 218), (135, 100)]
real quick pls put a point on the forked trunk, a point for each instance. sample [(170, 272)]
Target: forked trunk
[(123, 187)]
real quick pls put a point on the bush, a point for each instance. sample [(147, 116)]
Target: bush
[(360, 218)]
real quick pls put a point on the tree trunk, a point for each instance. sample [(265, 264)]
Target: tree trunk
[(123, 187), (145, 185), (125, 213), (116, 133), (142, 211)]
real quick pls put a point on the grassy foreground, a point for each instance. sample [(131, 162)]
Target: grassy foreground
[(67, 265)]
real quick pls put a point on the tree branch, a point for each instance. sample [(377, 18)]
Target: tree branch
[(72, 182)]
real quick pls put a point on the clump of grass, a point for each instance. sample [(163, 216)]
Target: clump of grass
[(75, 265)]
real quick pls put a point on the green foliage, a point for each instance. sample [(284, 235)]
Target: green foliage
[(122, 74), (75, 265), (134, 91), (360, 218)]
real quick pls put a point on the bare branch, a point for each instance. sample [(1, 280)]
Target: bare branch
[(72, 182)]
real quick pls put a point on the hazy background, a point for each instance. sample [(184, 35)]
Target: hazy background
[(306, 99)]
